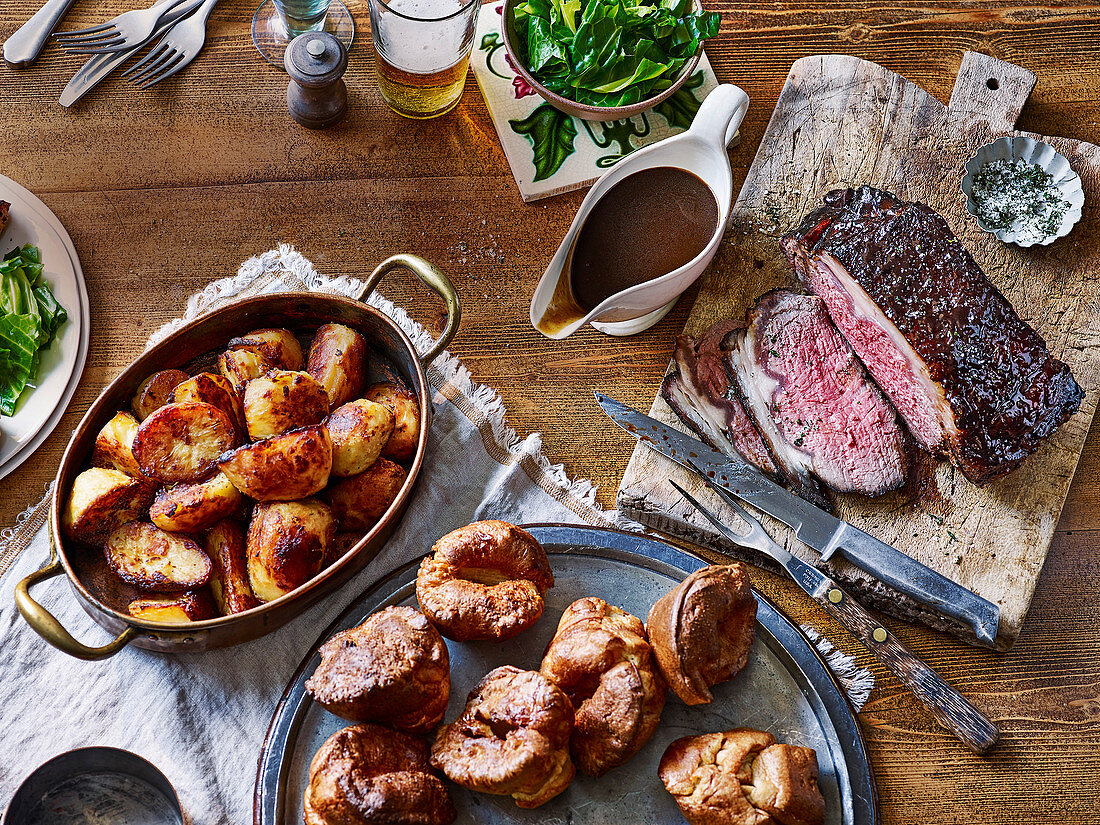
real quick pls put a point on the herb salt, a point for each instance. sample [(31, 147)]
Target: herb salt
[(1017, 196)]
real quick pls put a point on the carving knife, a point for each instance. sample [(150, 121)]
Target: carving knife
[(99, 66), (822, 531), (950, 707)]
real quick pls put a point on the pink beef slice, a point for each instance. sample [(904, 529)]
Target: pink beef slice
[(970, 378), (697, 387), (818, 410)]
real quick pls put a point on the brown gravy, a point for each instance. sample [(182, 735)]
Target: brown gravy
[(645, 226)]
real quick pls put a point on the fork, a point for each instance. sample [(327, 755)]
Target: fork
[(123, 32), (949, 707), (180, 45)]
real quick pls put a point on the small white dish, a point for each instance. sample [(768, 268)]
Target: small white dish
[(1043, 155), (702, 151), (40, 407)]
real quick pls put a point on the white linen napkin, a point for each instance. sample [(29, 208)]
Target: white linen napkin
[(202, 717)]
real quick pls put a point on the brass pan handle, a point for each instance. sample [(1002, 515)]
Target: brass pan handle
[(49, 628), (435, 280)]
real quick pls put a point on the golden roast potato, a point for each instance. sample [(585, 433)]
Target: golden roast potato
[(189, 508), (358, 502), (406, 416), (114, 446), (229, 577), (287, 542), (338, 360), (181, 442), (211, 388), (359, 430), (279, 347), (241, 366), (154, 391), (103, 500), (280, 401), (186, 607), (284, 467), (148, 557)]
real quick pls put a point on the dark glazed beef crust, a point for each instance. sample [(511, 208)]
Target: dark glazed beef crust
[(1005, 391)]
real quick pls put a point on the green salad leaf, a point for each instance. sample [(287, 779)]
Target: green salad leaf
[(610, 52), (30, 317)]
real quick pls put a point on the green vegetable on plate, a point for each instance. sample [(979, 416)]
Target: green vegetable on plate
[(29, 319), (610, 52)]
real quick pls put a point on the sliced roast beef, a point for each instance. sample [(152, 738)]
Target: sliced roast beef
[(972, 380), (698, 390), (818, 410)]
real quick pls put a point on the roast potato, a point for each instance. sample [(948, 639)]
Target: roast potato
[(280, 401), (229, 577), (241, 366), (181, 442), (278, 347), (154, 391), (338, 360), (186, 607), (358, 502), (211, 388), (101, 501), (287, 542), (406, 416), (189, 508), (359, 430), (148, 557), (114, 446), (284, 467)]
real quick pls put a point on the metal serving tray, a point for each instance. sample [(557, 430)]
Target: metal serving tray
[(785, 689)]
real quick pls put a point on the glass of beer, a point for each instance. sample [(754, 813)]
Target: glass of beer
[(277, 22), (423, 52)]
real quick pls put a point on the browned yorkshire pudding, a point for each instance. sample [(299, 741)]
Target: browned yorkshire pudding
[(601, 659), (742, 777), (702, 629), (512, 739), (371, 775), (393, 668), (484, 581)]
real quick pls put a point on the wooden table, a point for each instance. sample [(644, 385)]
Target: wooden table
[(166, 190)]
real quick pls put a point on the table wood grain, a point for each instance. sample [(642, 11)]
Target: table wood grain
[(165, 190)]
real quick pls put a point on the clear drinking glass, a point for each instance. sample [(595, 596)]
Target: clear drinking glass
[(277, 22), (423, 52)]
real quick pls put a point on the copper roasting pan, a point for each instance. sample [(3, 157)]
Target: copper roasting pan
[(102, 594)]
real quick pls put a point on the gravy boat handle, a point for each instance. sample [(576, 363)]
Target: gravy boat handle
[(720, 115)]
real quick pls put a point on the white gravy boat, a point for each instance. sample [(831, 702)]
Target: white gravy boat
[(700, 150)]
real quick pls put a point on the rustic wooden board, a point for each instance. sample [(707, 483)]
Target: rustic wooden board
[(842, 121)]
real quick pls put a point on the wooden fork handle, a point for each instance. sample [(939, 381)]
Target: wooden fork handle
[(22, 48), (945, 703)]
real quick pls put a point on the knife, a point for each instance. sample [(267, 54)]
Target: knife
[(822, 531), (950, 707), (23, 47), (101, 65)]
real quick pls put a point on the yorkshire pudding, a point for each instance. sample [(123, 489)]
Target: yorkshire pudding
[(484, 581), (742, 777), (601, 659), (393, 668), (512, 739), (371, 775), (702, 629)]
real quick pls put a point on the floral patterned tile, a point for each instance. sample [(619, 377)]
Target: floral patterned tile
[(551, 152)]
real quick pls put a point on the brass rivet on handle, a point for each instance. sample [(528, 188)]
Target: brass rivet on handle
[(835, 596), (879, 634)]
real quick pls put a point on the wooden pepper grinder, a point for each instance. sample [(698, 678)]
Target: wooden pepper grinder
[(316, 96)]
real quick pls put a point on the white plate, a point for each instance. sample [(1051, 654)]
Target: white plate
[(40, 408)]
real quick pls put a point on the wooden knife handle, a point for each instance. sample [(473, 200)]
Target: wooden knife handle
[(945, 703)]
